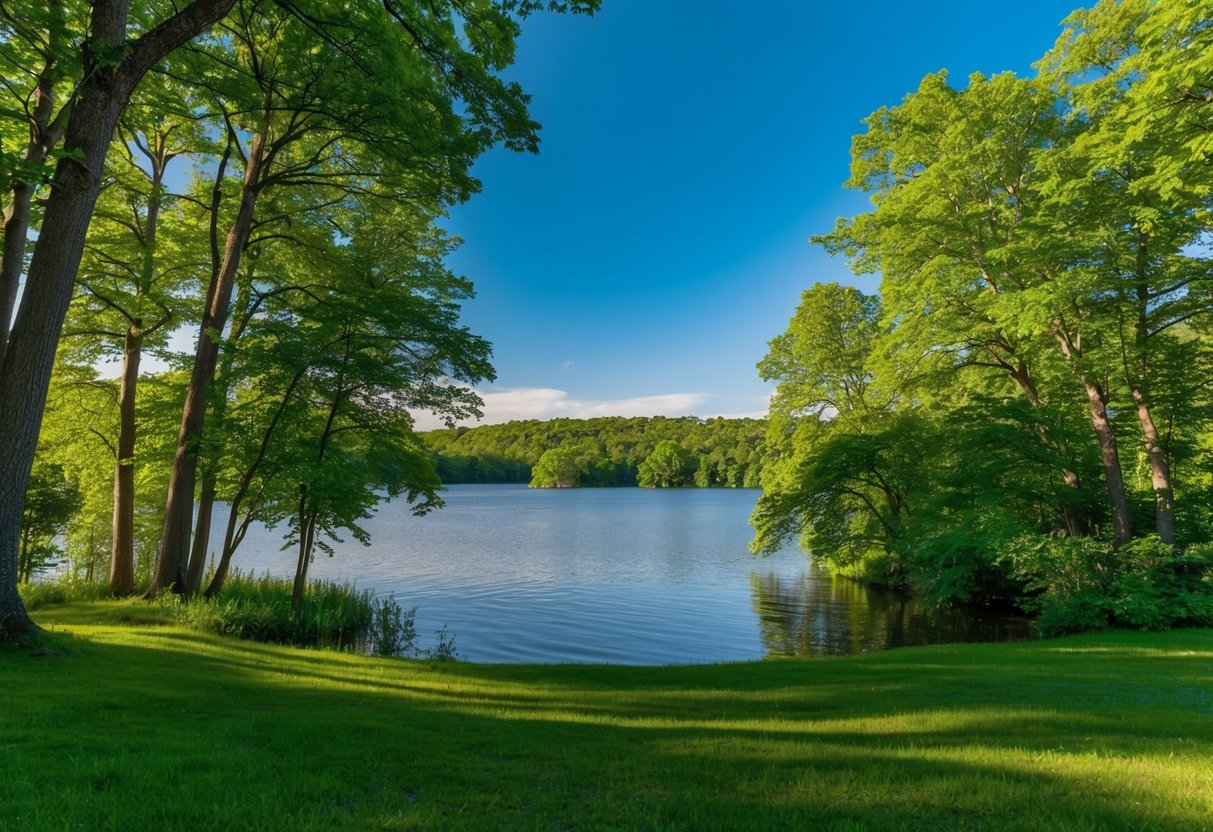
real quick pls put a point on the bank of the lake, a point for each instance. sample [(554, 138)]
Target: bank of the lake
[(153, 727)]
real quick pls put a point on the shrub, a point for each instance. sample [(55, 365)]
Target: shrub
[(1078, 584), (62, 591), (259, 609)]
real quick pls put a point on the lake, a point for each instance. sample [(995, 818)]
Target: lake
[(615, 575)]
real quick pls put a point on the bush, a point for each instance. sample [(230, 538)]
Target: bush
[(63, 591), (393, 629), (1078, 584), (259, 609)]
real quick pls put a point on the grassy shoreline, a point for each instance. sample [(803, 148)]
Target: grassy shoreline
[(132, 724)]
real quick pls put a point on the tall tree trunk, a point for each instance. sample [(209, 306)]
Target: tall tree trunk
[(179, 508), (1156, 452), (1109, 457), (1160, 470), (1105, 436), (307, 540), (207, 494), (30, 353), (122, 554)]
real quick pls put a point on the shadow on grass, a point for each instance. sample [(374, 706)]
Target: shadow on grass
[(163, 728)]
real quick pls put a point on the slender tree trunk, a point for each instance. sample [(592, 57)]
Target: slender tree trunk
[(1109, 457), (122, 555), (1160, 470), (179, 508), (30, 352), (206, 496), (1105, 436), (1156, 452), (232, 538), (307, 539)]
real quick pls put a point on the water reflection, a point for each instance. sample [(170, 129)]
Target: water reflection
[(818, 614)]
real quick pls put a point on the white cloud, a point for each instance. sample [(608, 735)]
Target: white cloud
[(549, 403), (568, 365)]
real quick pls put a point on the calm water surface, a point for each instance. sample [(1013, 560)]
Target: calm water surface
[(618, 575)]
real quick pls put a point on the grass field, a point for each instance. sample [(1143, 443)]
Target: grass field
[(118, 722)]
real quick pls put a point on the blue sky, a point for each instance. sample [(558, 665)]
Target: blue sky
[(642, 261)]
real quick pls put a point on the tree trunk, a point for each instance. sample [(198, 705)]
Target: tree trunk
[(1105, 435), (1156, 452), (307, 529), (1160, 470), (206, 497), (30, 352), (232, 537), (122, 555), (179, 507), (1109, 457), (26, 370)]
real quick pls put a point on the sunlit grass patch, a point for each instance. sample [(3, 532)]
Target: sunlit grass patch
[(1108, 731)]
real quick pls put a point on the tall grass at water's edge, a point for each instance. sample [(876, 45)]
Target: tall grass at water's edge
[(253, 607), (258, 608)]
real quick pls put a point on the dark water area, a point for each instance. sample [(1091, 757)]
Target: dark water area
[(617, 575), (821, 615)]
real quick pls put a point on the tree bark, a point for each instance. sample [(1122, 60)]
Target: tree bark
[(30, 353), (1156, 452), (206, 496), (122, 553), (171, 566), (1109, 457), (1105, 436)]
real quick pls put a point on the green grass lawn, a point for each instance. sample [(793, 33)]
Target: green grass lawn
[(127, 724)]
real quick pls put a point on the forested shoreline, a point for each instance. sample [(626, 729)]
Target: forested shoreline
[(659, 452), (1025, 410)]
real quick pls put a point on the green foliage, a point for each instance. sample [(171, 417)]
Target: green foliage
[(393, 629), (1033, 378), (559, 468), (722, 452), (65, 589), (51, 500), (668, 466), (259, 609), (1081, 583)]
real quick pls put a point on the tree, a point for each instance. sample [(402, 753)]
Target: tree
[(402, 117), (558, 468), (668, 466), (113, 62), (465, 47), (49, 506)]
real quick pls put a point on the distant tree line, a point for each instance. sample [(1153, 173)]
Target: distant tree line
[(607, 451)]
